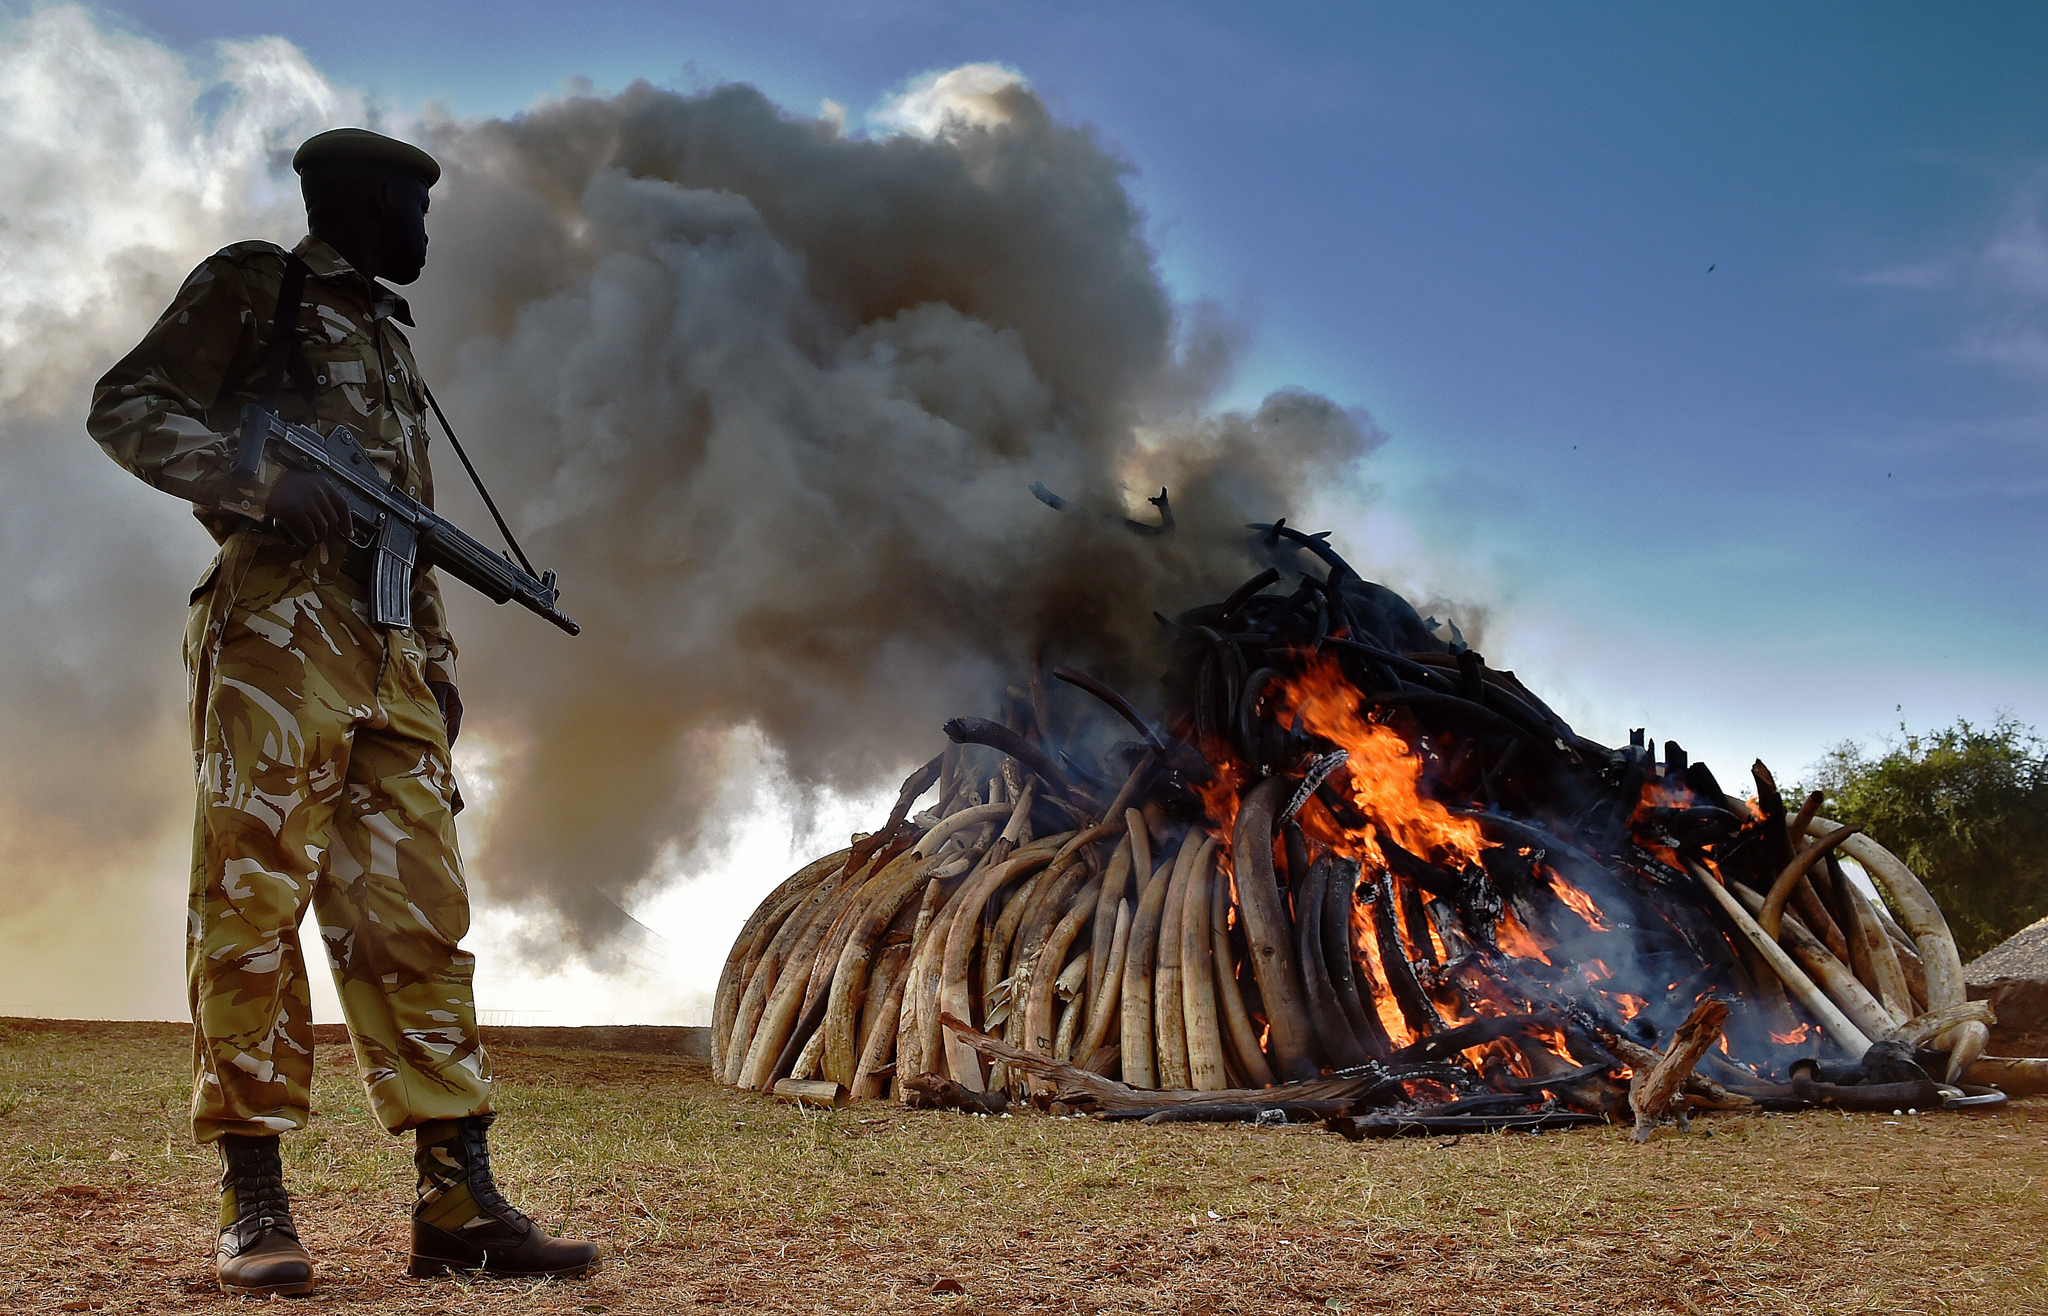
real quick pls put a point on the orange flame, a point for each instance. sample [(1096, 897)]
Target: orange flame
[(1795, 1037), (1517, 940), (1580, 903), (1383, 775)]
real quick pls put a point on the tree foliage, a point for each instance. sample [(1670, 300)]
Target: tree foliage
[(1967, 809)]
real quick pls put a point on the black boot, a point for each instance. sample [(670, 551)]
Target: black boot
[(463, 1223), (260, 1253)]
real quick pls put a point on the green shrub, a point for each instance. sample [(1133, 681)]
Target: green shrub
[(1966, 808)]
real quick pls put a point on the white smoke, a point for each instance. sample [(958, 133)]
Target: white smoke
[(769, 395)]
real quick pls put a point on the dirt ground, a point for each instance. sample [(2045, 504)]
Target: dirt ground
[(711, 1201)]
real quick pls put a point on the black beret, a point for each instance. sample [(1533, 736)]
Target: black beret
[(339, 145)]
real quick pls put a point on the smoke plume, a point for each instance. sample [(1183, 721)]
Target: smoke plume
[(769, 395)]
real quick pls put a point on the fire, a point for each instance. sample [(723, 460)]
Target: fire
[(1580, 903), (1516, 940), (1795, 1037), (1629, 1005), (1383, 777)]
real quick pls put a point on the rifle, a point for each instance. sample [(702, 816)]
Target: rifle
[(405, 536)]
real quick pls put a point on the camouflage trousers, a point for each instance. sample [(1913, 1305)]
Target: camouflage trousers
[(323, 777)]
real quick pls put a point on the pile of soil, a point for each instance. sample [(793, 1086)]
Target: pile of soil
[(2013, 976)]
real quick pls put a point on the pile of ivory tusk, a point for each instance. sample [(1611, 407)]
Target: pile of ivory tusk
[(1045, 931)]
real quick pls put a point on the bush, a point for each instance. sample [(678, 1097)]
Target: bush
[(1967, 809)]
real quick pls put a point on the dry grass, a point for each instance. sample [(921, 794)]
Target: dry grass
[(707, 1200)]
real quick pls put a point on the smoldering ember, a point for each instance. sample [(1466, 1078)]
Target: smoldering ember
[(1354, 875)]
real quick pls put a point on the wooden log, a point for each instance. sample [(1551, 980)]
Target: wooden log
[(1700, 1091), (1104, 1010), (1140, 1058), (1169, 1017), (1846, 1035), (810, 1091), (1828, 973), (1651, 1093), (1917, 910), (2015, 1076), (1268, 932), (932, 1092), (1242, 1038), (1335, 1037), (1084, 1089), (1198, 979), (753, 938)]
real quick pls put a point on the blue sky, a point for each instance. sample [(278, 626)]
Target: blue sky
[(1794, 497)]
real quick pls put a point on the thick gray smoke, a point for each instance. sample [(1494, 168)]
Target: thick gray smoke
[(772, 399), (770, 396)]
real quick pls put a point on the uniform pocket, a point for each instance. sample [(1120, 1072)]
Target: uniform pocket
[(206, 579)]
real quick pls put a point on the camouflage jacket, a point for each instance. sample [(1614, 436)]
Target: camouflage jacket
[(170, 409)]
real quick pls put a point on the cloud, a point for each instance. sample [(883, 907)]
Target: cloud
[(1997, 287), (970, 96)]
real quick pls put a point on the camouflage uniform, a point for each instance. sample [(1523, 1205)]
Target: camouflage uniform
[(321, 755)]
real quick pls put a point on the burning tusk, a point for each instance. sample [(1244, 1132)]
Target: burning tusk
[(1258, 893), (1333, 1027), (1832, 976), (1850, 1037), (1237, 1021)]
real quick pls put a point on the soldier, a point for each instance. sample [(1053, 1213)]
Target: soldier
[(320, 741)]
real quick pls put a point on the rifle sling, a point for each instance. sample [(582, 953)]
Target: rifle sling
[(290, 293)]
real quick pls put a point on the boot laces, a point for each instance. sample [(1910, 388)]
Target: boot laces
[(476, 1155), (256, 1174)]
